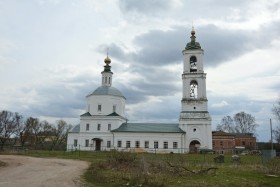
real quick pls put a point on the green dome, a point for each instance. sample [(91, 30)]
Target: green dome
[(193, 44)]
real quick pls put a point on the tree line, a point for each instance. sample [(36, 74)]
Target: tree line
[(240, 123), (246, 123), (32, 133)]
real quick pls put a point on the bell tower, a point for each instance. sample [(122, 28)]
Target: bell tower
[(195, 119)]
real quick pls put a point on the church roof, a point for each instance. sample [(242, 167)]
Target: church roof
[(107, 90), (193, 44), (113, 114), (149, 128), (75, 129), (237, 135), (86, 114)]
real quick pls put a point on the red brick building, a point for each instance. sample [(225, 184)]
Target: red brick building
[(224, 142)]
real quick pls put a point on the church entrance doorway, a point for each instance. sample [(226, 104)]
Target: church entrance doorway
[(97, 143), (194, 146)]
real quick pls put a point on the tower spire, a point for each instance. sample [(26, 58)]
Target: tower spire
[(107, 74), (193, 44)]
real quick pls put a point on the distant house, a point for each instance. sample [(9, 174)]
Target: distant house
[(224, 142)]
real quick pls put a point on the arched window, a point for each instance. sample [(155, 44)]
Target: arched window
[(193, 89), (193, 61), (105, 80), (109, 80)]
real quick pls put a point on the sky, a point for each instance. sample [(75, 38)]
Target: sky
[(52, 53)]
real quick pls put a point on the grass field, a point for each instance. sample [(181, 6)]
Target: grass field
[(169, 170)]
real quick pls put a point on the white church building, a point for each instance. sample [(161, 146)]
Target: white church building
[(104, 126)]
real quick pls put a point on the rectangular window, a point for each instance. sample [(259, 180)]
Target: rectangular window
[(221, 143), (87, 127), (114, 108), (146, 144), (156, 144), (109, 127), (75, 142), (98, 127), (87, 143), (175, 145), (137, 144), (99, 108), (119, 143), (127, 144), (165, 145), (243, 142), (108, 144)]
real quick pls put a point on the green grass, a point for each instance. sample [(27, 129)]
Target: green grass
[(114, 169)]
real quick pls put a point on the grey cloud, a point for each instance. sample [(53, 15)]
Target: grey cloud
[(274, 6), (239, 102), (61, 99), (114, 50), (221, 45), (151, 7), (156, 9), (158, 48), (165, 111), (139, 90)]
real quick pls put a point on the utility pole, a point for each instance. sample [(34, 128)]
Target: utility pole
[(271, 134)]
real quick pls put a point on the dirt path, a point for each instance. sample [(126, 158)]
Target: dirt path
[(23, 171)]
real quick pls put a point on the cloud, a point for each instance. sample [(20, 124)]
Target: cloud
[(155, 109), (220, 105), (159, 48), (62, 95), (147, 10), (7, 47), (146, 7)]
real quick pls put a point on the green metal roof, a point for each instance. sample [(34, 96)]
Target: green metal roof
[(113, 114), (75, 129), (107, 90), (149, 128), (86, 114), (193, 44)]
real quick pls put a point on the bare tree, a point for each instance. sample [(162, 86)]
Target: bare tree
[(44, 134), (226, 125), (32, 129), (8, 125), (240, 123), (59, 133), (245, 123), (276, 113), (20, 128)]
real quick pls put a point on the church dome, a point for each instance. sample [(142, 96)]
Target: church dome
[(107, 60), (107, 90), (193, 44)]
